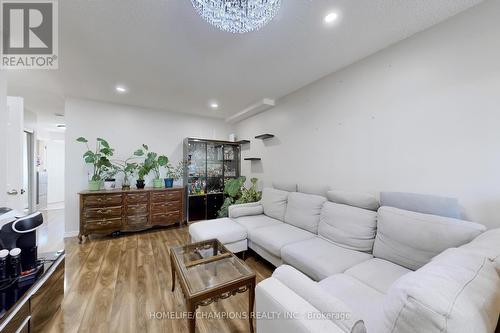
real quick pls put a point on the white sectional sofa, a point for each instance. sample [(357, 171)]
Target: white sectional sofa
[(347, 265)]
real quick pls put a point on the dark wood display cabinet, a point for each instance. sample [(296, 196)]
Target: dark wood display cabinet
[(110, 211), (210, 163)]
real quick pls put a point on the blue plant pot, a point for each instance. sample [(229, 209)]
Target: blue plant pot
[(169, 182)]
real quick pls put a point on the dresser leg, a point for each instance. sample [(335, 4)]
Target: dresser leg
[(80, 238)]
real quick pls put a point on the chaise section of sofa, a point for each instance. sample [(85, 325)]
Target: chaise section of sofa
[(371, 262)]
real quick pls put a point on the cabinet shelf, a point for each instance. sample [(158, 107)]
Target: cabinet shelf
[(264, 136)]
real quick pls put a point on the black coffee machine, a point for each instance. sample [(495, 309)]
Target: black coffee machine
[(18, 244)]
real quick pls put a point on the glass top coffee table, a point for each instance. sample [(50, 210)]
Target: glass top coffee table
[(208, 272)]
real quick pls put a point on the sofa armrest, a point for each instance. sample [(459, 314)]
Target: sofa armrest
[(336, 310), (247, 209), (280, 309)]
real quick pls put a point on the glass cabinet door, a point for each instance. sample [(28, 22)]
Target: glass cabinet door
[(231, 161), (196, 168), (215, 167)]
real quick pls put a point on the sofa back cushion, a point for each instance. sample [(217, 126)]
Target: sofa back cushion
[(458, 291), (284, 186), (274, 203), (313, 189), (488, 245), (412, 239), (303, 211), (350, 227), (422, 203), (360, 200)]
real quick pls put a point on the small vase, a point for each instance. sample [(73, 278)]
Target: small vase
[(94, 185), (157, 183), (140, 183), (169, 182), (126, 183)]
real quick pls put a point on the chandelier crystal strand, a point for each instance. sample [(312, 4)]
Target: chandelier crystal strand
[(237, 16)]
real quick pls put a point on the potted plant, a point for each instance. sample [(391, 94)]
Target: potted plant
[(236, 193), (127, 167), (110, 180), (152, 162), (98, 159), (174, 174)]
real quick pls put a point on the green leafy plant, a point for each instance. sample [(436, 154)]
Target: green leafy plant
[(152, 162), (176, 172), (236, 193), (98, 158)]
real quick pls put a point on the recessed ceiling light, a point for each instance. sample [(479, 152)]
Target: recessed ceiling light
[(331, 17), (121, 89), (214, 105)]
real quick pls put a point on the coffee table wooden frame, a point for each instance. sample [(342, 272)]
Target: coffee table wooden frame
[(210, 295)]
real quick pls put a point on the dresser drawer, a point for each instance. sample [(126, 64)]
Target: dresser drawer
[(166, 196), (139, 209), (102, 213), (133, 221), (102, 200), (158, 208), (103, 225), (137, 198), (166, 219)]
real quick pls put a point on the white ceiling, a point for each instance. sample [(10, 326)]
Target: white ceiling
[(171, 59)]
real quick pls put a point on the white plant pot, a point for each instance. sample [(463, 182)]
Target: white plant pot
[(109, 185)]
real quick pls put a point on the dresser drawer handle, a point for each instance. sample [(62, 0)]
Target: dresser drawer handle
[(105, 222)]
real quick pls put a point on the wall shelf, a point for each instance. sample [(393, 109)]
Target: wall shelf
[(243, 142), (264, 136), (253, 159)]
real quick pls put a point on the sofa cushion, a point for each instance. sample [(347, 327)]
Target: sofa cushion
[(283, 186), (313, 189), (364, 301), (422, 203), (319, 258), (256, 221), (274, 202), (487, 244), (303, 211), (360, 200), (315, 295), (224, 229), (248, 209), (458, 291), (377, 273), (412, 239), (275, 237), (350, 227)]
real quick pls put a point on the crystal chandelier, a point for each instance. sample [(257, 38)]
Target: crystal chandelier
[(237, 16)]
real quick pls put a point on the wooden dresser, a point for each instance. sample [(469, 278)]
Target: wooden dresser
[(106, 212)]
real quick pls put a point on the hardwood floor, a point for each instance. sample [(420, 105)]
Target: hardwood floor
[(123, 285)]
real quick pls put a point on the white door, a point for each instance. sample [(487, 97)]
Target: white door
[(14, 137)]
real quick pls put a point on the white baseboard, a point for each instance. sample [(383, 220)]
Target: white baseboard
[(69, 234)]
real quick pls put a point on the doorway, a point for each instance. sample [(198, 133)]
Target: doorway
[(28, 190)]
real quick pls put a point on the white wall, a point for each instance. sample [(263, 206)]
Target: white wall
[(3, 139), (55, 170), (126, 128), (421, 116)]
